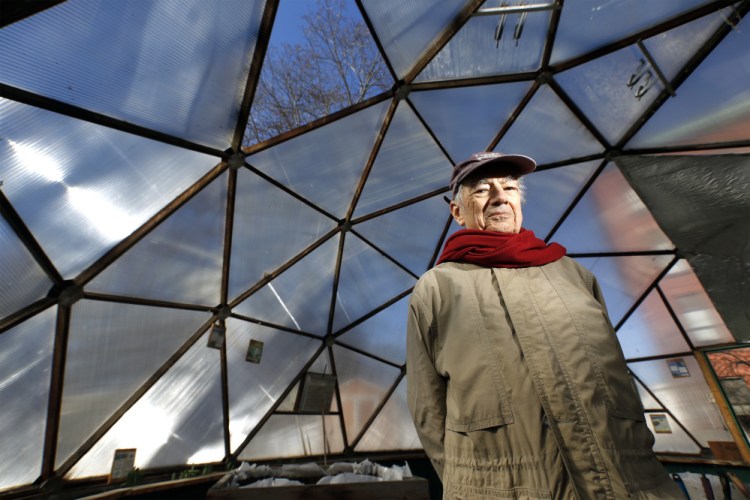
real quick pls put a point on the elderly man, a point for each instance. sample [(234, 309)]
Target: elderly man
[(516, 381)]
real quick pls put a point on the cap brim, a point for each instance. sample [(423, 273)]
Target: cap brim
[(518, 164)]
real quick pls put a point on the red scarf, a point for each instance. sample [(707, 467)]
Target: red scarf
[(494, 249)]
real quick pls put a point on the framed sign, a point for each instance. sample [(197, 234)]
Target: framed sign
[(216, 338), (122, 463), (660, 422), (254, 351), (678, 368)]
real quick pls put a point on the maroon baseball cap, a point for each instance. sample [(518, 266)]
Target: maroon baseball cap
[(520, 164)]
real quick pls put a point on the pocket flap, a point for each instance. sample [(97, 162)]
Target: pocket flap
[(477, 424)]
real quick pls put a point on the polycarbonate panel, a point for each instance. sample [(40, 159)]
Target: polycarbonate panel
[(300, 297), (548, 193), (113, 349), (624, 279), (713, 105), (409, 163), (23, 280), (548, 131), (180, 260), (589, 24), (383, 335), (255, 387), (367, 280), (177, 66), (81, 188), (271, 226), (474, 51), (287, 436), (670, 439), (25, 364), (650, 331), (460, 117), (688, 397), (613, 91), (363, 383), (694, 309), (407, 29), (422, 221), (393, 428), (325, 164), (178, 421), (649, 403), (611, 217)]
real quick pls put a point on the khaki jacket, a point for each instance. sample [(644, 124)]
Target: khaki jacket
[(519, 389)]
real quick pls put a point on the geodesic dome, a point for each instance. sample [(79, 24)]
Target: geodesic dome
[(136, 231)]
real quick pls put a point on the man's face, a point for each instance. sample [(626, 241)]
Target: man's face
[(490, 202)]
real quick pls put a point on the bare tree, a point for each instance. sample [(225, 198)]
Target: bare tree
[(336, 65)]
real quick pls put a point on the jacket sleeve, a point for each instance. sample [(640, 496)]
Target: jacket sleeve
[(425, 387)]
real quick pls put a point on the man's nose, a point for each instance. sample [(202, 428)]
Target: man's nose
[(498, 196)]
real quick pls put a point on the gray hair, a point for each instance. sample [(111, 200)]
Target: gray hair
[(470, 183)]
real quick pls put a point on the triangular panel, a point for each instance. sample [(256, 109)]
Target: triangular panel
[(178, 68), (72, 181), (548, 131), (17, 266), (392, 429), (271, 224), (288, 436), (25, 364), (699, 116), (651, 331), (367, 280), (421, 221), (624, 279), (383, 335), (611, 217), (409, 163), (548, 193), (407, 30), (178, 421), (299, 298), (255, 387), (180, 260), (113, 349), (363, 383), (669, 437), (461, 118), (325, 164)]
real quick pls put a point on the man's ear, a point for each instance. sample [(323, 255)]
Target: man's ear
[(456, 213)]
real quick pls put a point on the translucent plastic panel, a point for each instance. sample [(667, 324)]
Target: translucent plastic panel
[(23, 280), (550, 192), (688, 397), (613, 91), (611, 217), (624, 279), (112, 350), (694, 309), (422, 221), (588, 24), (407, 29), (286, 436), (325, 164), (650, 331), (301, 297), (649, 403), (271, 226), (669, 437), (383, 335), (255, 387), (461, 118), (713, 105), (408, 164), (363, 383), (548, 131), (25, 363), (474, 52), (82, 188), (177, 66), (178, 421), (367, 280), (180, 260), (393, 428)]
